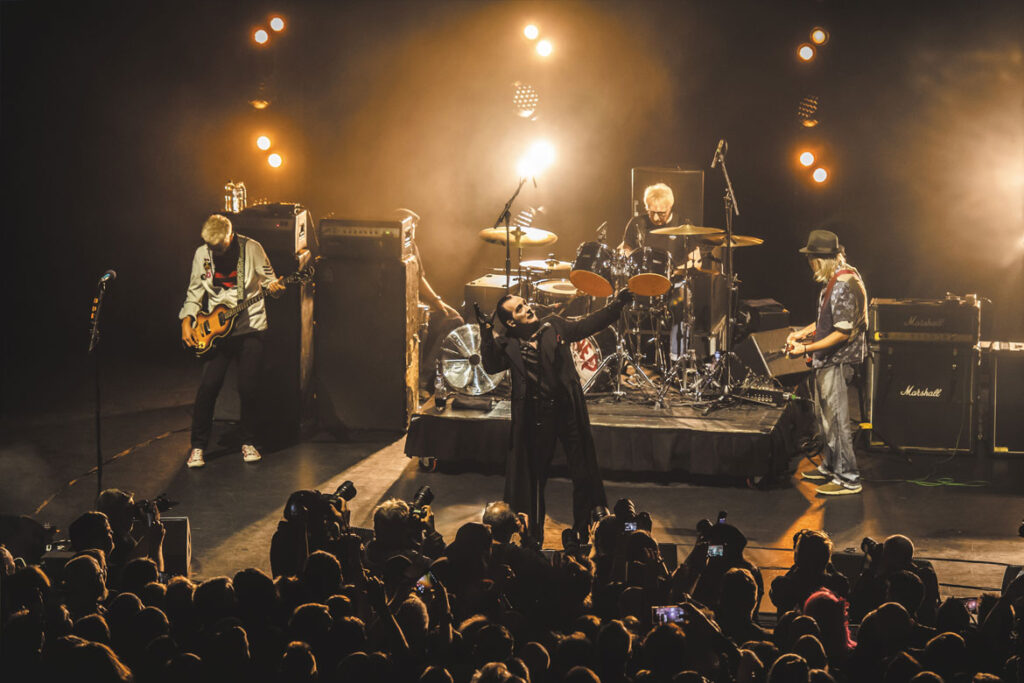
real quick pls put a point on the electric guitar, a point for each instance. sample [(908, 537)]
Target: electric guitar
[(209, 327)]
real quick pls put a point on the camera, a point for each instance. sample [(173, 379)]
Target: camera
[(599, 513), (716, 550), (570, 541), (142, 511), (314, 503), (870, 546)]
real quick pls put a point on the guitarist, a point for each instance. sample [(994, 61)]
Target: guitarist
[(834, 344), (225, 269)]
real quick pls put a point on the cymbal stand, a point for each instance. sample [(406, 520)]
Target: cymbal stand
[(621, 356)]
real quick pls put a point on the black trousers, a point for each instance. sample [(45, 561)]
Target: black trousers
[(247, 350), (551, 421)]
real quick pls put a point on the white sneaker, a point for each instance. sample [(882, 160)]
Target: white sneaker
[(250, 454), (195, 458)]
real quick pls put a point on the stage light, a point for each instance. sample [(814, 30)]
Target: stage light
[(531, 32), (807, 111), (820, 175), (275, 160), (263, 142), (277, 23), (805, 52), (806, 158), (261, 36), (819, 36), (544, 48), (525, 99), (259, 103), (537, 159)]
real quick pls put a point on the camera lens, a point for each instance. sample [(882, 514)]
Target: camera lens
[(347, 490), (599, 513), (424, 496)]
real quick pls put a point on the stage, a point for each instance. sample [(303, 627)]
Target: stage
[(636, 441)]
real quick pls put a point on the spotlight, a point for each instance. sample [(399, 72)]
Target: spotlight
[(277, 23), (805, 52), (263, 142), (538, 157), (259, 103), (820, 175), (544, 48), (275, 160), (525, 99), (261, 36), (806, 159), (807, 111), (531, 32), (819, 36)]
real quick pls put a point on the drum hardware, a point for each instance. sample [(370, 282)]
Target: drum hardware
[(532, 236)]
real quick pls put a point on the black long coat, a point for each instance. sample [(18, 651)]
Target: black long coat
[(503, 353)]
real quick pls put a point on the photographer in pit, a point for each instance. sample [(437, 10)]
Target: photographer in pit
[(312, 521), (882, 561), (812, 570), (718, 549), (138, 531), (401, 528)]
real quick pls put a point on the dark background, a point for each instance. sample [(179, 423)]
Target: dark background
[(121, 122)]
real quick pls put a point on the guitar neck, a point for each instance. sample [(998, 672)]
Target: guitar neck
[(255, 298)]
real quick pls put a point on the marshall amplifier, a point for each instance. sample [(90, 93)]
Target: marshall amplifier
[(1003, 367), (280, 228), (922, 395), (954, 320), (361, 240)]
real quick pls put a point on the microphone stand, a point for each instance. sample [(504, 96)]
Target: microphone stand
[(731, 208), (506, 217), (94, 340)]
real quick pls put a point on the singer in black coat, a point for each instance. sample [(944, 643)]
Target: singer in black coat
[(538, 420)]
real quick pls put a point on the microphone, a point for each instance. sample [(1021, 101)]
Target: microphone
[(718, 152), (108, 276)]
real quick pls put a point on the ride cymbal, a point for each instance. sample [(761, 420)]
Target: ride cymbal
[(526, 237), (737, 240), (687, 230)]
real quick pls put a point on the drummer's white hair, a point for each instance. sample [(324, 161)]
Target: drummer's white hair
[(659, 191), (216, 229)]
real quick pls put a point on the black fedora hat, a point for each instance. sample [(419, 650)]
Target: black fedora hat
[(822, 243)]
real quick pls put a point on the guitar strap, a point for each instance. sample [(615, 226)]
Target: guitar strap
[(240, 271)]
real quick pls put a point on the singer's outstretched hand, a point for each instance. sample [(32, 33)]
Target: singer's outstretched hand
[(625, 296), (485, 322)]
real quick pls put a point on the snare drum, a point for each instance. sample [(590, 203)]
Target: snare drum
[(554, 292), (650, 270), (592, 270)]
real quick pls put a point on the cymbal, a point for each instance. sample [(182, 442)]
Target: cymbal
[(737, 240), (548, 264), (686, 230), (526, 237), (683, 270)]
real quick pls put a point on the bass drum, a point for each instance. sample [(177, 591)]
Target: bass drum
[(588, 353), (592, 270)]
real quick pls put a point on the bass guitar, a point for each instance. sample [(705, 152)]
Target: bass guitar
[(209, 327)]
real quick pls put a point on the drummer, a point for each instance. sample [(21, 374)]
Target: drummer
[(658, 203)]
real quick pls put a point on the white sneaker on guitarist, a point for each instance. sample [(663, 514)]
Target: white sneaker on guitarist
[(195, 458), (250, 454)]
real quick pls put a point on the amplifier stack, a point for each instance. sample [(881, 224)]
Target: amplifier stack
[(922, 361)]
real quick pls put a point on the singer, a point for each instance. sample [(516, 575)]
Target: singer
[(226, 268), (547, 404)]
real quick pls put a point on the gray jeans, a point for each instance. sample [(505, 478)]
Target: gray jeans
[(832, 408)]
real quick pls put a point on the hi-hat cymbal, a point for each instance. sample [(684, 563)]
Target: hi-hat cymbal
[(549, 265), (737, 240), (686, 230), (527, 237)]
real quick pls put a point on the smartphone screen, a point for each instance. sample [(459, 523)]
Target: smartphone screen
[(630, 526), (425, 584), (722, 514), (667, 614), (716, 550), (971, 604)]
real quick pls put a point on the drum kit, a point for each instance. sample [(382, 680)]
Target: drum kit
[(653, 349)]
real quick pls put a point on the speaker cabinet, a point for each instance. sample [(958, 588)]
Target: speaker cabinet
[(1003, 367), (922, 396), (367, 348), (177, 545), (762, 353)]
